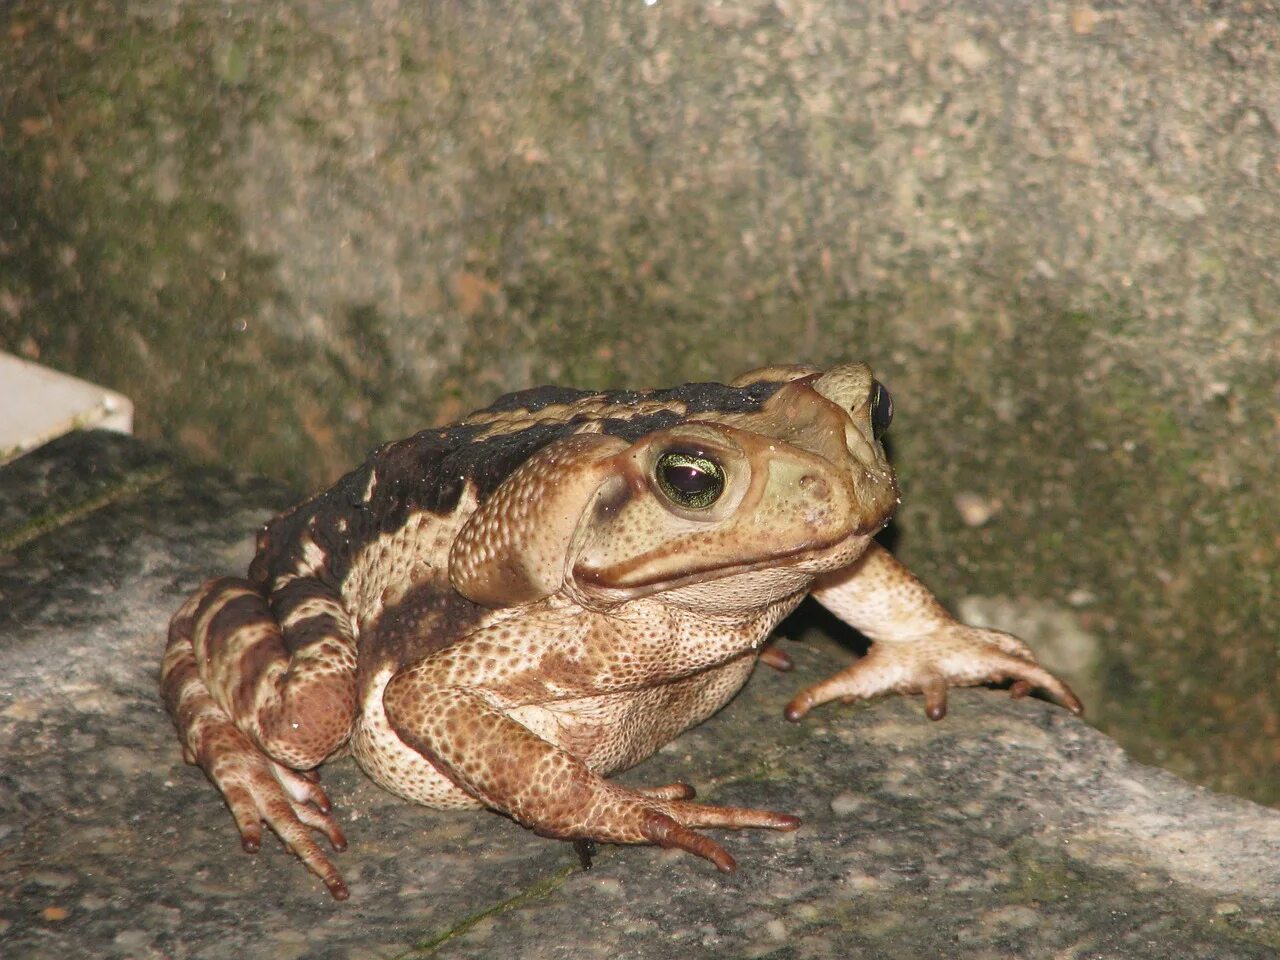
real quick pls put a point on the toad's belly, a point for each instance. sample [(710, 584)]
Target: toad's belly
[(393, 764), (608, 732)]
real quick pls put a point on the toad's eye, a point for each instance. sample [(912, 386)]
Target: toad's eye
[(881, 409), (689, 479)]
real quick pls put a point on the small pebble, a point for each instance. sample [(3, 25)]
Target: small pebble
[(846, 802), (975, 510)]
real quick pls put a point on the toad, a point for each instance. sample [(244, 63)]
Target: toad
[(502, 612)]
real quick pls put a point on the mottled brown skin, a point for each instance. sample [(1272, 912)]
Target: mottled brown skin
[(502, 612)]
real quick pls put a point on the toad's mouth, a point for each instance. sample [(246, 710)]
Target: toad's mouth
[(678, 564)]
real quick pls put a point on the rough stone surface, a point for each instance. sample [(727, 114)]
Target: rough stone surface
[(1008, 829), (294, 229)]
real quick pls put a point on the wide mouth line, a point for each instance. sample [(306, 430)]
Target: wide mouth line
[(710, 573)]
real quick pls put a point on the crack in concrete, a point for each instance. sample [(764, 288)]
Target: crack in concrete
[(538, 890), (40, 524)]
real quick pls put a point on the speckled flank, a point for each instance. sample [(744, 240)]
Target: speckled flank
[(503, 612)]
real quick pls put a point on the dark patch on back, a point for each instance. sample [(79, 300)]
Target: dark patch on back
[(430, 470), (718, 398), (537, 398), (697, 398), (429, 618), (427, 471)]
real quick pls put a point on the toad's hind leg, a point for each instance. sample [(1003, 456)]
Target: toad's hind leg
[(511, 769), (259, 693)]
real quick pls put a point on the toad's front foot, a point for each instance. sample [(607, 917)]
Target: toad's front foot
[(953, 656)]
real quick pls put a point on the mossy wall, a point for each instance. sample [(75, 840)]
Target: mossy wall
[(293, 230)]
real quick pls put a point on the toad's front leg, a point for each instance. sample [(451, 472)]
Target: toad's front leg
[(917, 647), (544, 787)]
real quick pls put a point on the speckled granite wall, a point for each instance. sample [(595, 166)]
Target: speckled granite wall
[(291, 230)]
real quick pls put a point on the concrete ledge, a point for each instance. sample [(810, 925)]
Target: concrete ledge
[(1008, 829)]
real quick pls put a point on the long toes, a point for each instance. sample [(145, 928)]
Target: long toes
[(309, 852), (298, 839), (798, 706), (670, 791), (777, 658), (303, 789), (1031, 676), (251, 839), (876, 673), (1064, 695), (337, 889), (848, 685), (321, 821), (934, 688), (973, 657), (292, 806), (731, 818), (1004, 642), (245, 812), (666, 832)]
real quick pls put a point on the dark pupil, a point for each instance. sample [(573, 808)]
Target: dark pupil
[(881, 409), (689, 480)]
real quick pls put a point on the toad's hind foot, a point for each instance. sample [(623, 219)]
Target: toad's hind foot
[(955, 656), (645, 818), (258, 790), (256, 787), (670, 824)]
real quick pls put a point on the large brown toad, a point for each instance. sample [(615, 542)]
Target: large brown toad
[(502, 612)]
